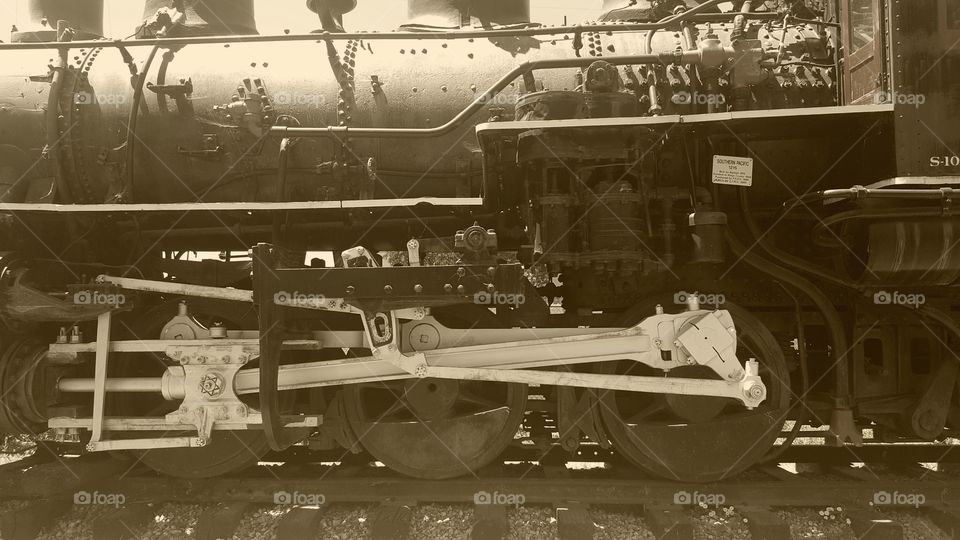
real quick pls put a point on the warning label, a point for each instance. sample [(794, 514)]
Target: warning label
[(733, 171)]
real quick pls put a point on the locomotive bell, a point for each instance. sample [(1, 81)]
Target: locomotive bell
[(336, 6), (85, 17), (460, 13), (206, 17), (331, 12)]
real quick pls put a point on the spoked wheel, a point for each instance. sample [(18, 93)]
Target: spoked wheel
[(435, 428), (227, 451), (24, 387), (696, 438)]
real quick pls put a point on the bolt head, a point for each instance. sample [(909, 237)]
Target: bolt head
[(351, 289), (418, 288), (448, 288)]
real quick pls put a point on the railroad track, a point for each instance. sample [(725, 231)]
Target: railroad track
[(112, 498)]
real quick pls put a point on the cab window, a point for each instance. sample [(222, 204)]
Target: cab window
[(862, 23)]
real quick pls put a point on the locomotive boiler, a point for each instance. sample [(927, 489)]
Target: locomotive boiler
[(681, 231)]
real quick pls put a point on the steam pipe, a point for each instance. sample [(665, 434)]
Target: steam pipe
[(691, 57), (53, 127), (860, 192), (830, 314), (682, 16), (139, 83)]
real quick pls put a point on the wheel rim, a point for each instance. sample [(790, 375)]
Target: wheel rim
[(700, 439), (433, 428)]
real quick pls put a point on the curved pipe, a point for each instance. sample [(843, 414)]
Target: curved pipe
[(860, 192), (679, 17), (53, 129), (132, 123), (832, 318), (478, 104), (830, 314)]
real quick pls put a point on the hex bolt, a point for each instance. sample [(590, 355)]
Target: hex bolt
[(387, 289), (448, 288), (461, 289), (418, 288), (491, 271)]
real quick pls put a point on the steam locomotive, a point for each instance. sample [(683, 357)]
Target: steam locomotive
[(681, 231)]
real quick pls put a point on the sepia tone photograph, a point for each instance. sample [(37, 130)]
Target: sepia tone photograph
[(479, 269)]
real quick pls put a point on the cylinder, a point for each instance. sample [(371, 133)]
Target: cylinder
[(210, 17), (460, 13), (39, 23)]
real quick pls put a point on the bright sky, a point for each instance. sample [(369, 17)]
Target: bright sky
[(274, 16)]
